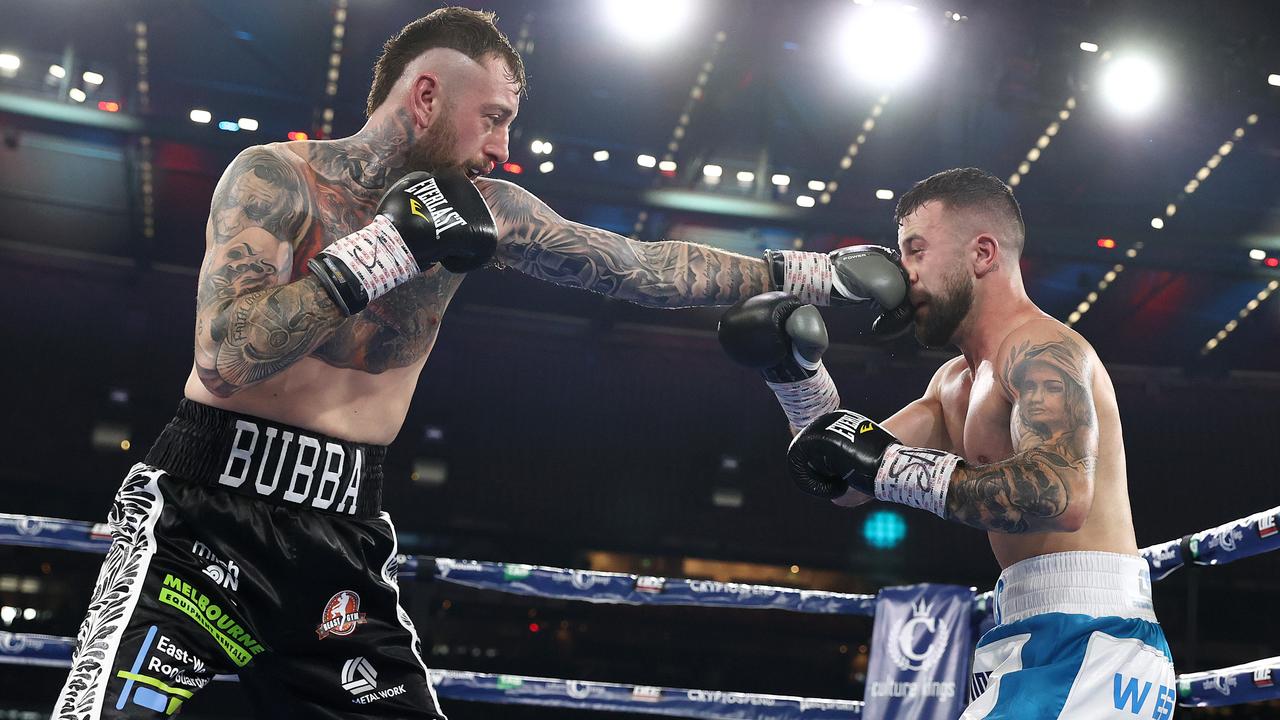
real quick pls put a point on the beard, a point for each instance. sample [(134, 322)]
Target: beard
[(435, 150), (945, 312)]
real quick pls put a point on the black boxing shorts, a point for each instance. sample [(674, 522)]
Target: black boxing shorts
[(248, 548)]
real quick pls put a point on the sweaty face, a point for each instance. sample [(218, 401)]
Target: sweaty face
[(941, 287), (472, 131)]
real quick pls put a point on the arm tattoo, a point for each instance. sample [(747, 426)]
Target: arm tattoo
[(249, 323), (396, 330), (1054, 429), (264, 332), (1025, 493), (538, 242)]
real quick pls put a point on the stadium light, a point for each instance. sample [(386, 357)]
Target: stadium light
[(1132, 84), (882, 44), (647, 23)]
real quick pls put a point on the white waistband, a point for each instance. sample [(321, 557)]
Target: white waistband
[(1099, 584)]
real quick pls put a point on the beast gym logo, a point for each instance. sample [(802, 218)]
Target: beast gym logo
[(341, 615)]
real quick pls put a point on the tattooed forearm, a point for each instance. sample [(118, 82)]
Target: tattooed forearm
[(396, 330), (1027, 493), (264, 332), (537, 241)]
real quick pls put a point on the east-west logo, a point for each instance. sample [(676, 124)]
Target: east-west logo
[(341, 615), (358, 676), (907, 636)]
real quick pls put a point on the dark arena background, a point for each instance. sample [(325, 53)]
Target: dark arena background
[(556, 427)]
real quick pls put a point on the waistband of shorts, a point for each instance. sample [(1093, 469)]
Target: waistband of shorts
[(1100, 584), (270, 461)]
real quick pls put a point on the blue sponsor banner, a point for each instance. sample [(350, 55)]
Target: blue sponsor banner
[(1252, 682), (1235, 540), (621, 588), (920, 650), (40, 650), (637, 699), (30, 531)]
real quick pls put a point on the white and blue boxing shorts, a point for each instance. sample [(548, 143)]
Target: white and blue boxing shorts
[(1075, 637)]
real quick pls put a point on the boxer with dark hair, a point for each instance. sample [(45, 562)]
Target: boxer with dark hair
[(1019, 436), (251, 541)]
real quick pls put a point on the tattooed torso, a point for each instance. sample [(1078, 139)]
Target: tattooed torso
[(1022, 403), (358, 381)]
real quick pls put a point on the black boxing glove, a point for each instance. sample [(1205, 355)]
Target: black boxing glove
[(843, 449), (851, 275), (422, 219), (776, 334), (784, 339)]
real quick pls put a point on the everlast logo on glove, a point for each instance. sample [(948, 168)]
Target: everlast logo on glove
[(442, 214), (284, 465), (851, 425)]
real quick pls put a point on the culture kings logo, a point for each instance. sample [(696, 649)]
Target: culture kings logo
[(341, 615), (908, 635)]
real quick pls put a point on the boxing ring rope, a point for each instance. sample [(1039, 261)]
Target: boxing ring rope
[(1236, 540)]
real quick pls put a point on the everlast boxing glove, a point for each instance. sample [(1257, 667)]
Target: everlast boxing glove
[(843, 449), (422, 219)]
